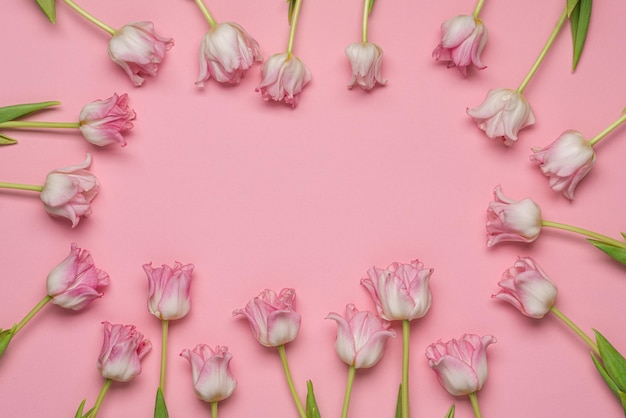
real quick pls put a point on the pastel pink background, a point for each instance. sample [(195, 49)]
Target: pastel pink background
[(258, 196)]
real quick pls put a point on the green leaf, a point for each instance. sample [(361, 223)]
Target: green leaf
[(160, 409), (5, 140), (17, 111), (79, 413), (614, 362), (292, 5), (312, 411), (579, 19), (370, 6), (48, 8), (570, 6), (5, 338), (616, 253), (399, 402), (450, 413), (622, 399), (610, 383)]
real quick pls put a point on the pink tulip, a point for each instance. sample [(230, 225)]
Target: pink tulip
[(361, 337), (138, 50), (503, 113), (272, 318), (512, 220), (400, 291), (210, 371), (284, 77), (68, 192), (462, 40), (76, 282), (226, 52), (460, 365), (103, 121), (122, 350), (168, 290), (566, 161), (528, 288), (366, 61)]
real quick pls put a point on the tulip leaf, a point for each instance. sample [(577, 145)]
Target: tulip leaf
[(48, 8), (292, 5), (450, 413), (5, 338), (79, 413), (614, 362), (610, 383), (579, 16), (5, 140), (399, 403), (571, 4), (370, 6), (616, 253), (17, 111), (160, 409), (312, 411)]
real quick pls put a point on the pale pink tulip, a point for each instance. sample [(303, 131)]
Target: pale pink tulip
[(366, 60), (122, 350), (210, 372), (76, 282), (361, 337), (400, 291), (566, 161), (528, 288), (138, 50), (462, 41), (460, 365), (512, 220), (284, 77), (68, 192), (103, 121), (503, 113), (168, 290), (272, 318), (227, 51)]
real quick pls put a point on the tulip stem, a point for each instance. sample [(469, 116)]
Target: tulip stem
[(346, 397), (478, 8), (214, 409), (406, 333), (294, 22), (576, 329), (292, 388), (544, 51), (103, 392), (585, 232), (366, 13), (207, 14), (604, 133), (18, 186), (31, 314), (44, 125), (164, 333), (90, 18), (474, 400)]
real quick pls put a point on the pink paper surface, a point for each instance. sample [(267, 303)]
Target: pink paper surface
[(259, 195)]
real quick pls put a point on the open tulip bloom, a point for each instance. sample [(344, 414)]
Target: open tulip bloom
[(73, 284)]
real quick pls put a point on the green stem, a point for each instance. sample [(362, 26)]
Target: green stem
[(585, 232), (366, 13), (346, 397), (544, 51), (478, 8), (18, 186), (31, 314), (43, 125), (474, 400), (207, 14), (213, 409), (294, 22), (164, 332), (103, 392), (292, 388), (406, 333), (608, 130), (576, 329), (90, 18)]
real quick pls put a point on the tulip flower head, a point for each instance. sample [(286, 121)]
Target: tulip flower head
[(76, 282), (284, 77), (210, 372), (401, 291), (512, 220), (366, 62), (168, 290), (460, 364), (103, 121), (462, 41), (503, 113), (123, 349), (272, 318), (566, 161), (68, 192)]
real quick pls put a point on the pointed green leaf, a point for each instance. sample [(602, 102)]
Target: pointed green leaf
[(312, 411), (16, 111), (370, 6), (450, 413), (570, 6), (622, 399), (579, 19), (5, 338), (48, 8), (616, 253), (79, 413), (5, 140), (609, 382), (160, 409), (399, 403), (614, 362)]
